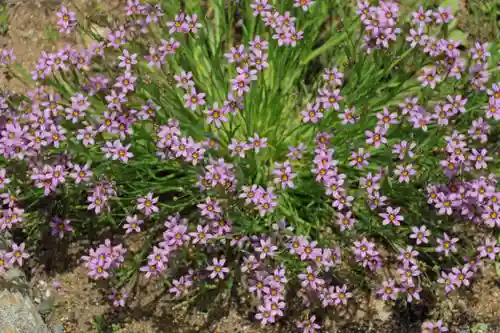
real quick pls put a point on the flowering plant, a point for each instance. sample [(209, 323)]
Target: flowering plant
[(276, 147)]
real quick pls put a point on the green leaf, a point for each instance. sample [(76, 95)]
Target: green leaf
[(454, 4), (458, 35)]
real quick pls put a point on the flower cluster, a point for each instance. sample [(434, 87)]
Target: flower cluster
[(283, 179), (102, 261)]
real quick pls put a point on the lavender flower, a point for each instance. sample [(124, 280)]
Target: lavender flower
[(446, 244), (391, 216), (489, 249), (133, 224), (304, 4), (17, 255), (67, 20), (309, 325), (147, 204), (217, 269), (59, 226), (420, 234), (430, 327), (118, 298), (388, 290), (194, 99)]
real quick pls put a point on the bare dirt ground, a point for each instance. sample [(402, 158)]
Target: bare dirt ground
[(80, 302)]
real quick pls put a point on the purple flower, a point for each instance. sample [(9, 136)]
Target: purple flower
[(408, 256), (117, 150), (7, 56), (118, 298), (388, 290), (283, 36), (359, 159), (17, 255), (480, 51), (446, 244), (391, 216), (194, 99), (376, 137), (257, 143), (341, 295), (330, 98), (4, 261), (260, 7), (430, 327), (283, 174), (443, 15), (444, 204), (151, 270), (211, 208), (238, 148), (312, 114), (115, 100), (116, 39), (266, 248), (201, 236), (265, 314), (217, 269), (304, 4), (127, 60), (237, 54), (240, 85), (429, 77), (3, 178), (296, 153), (67, 20), (158, 258), (216, 116), (175, 235), (133, 224), (420, 234), (310, 279), (462, 275), (412, 291), (309, 325), (489, 249), (346, 221), (257, 45), (479, 130), (408, 271), (184, 80), (480, 158), (147, 204), (59, 226), (404, 172), (342, 201), (180, 286), (450, 47), (86, 135), (133, 7), (422, 17), (387, 118), (125, 82), (404, 148), (448, 280), (192, 24), (363, 248), (179, 24)]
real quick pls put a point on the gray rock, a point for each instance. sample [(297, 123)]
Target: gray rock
[(18, 313)]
